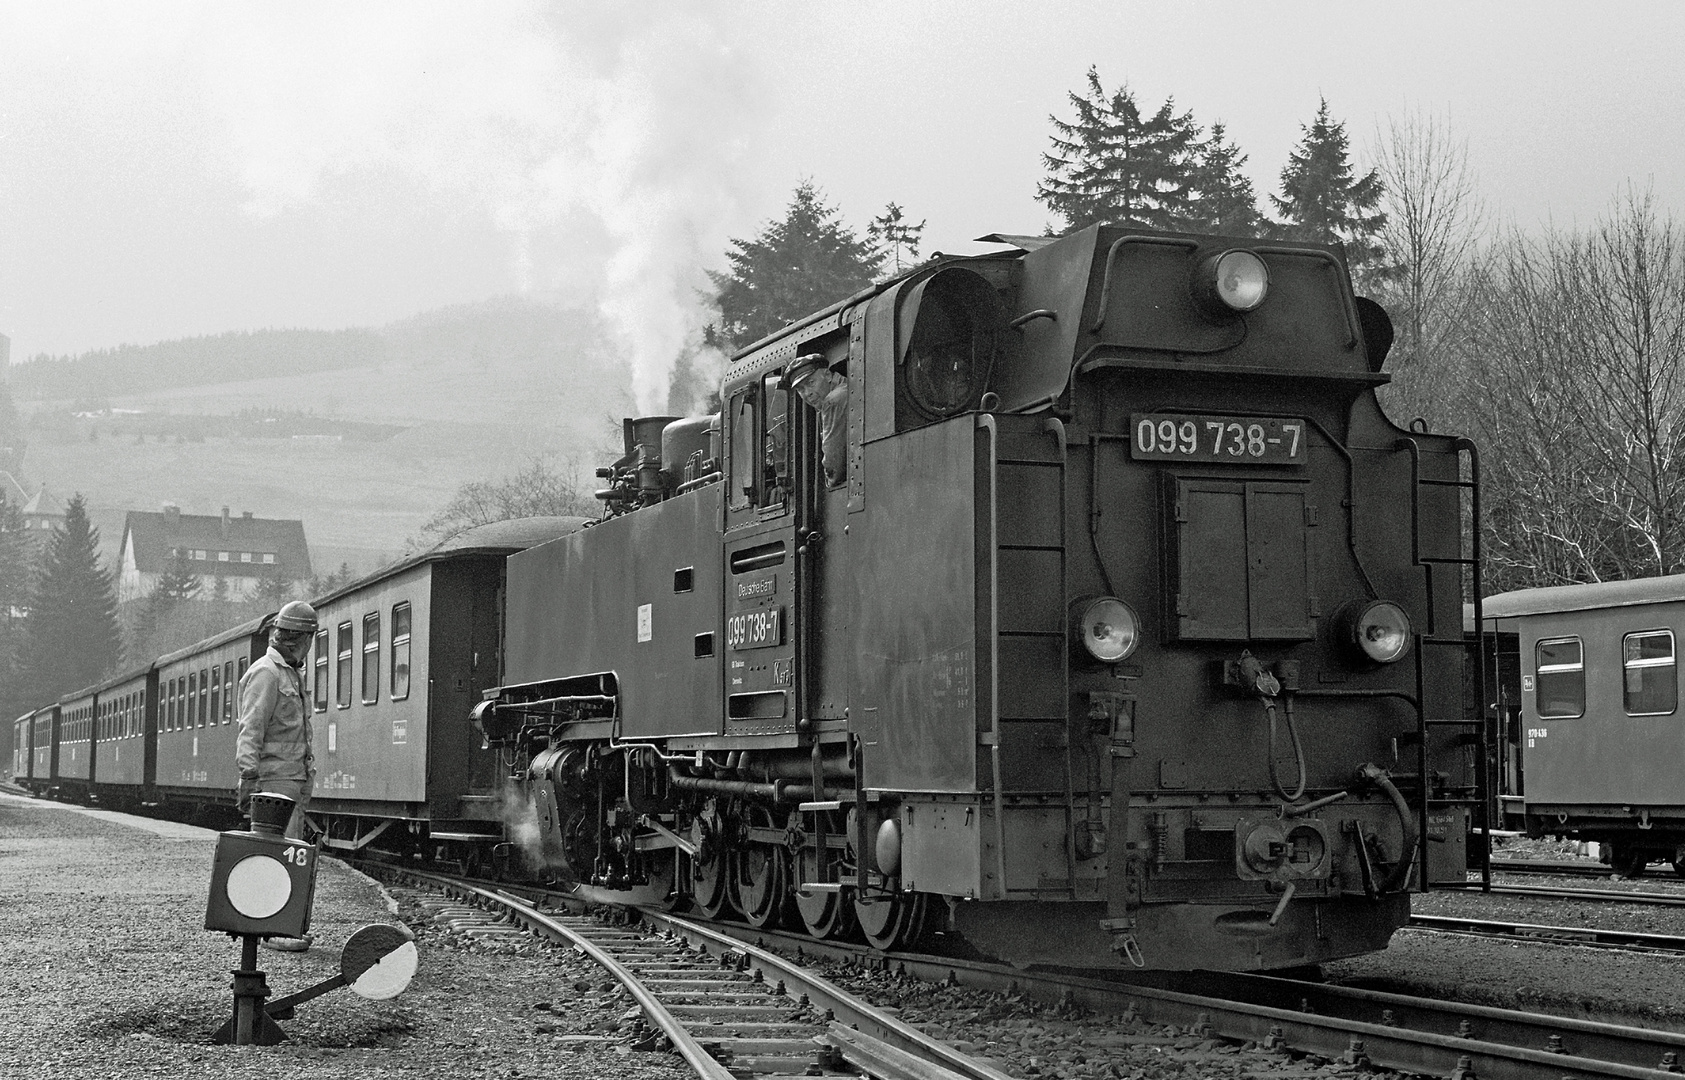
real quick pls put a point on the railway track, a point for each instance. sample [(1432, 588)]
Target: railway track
[(1550, 935), (1344, 1024), (728, 1009), (1604, 896)]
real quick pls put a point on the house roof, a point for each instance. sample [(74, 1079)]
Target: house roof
[(155, 537), (43, 503), (1598, 594)]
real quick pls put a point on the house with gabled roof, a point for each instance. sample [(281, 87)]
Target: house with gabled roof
[(240, 552)]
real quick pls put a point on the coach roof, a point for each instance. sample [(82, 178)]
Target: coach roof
[(1590, 597)]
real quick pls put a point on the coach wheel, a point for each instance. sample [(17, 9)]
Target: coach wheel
[(890, 922), (1630, 862)]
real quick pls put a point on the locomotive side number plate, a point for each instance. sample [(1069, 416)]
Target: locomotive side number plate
[(1232, 440), (759, 629)]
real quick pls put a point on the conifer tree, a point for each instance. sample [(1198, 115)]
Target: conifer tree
[(71, 638), (16, 559), (1115, 165), (1323, 203), (795, 266), (1222, 199), (894, 234)]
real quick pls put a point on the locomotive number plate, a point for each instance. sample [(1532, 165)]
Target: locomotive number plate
[(759, 629), (1232, 440)]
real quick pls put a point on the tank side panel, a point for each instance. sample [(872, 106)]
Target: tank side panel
[(609, 599), (916, 622)]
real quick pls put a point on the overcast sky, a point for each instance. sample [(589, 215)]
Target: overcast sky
[(169, 169)]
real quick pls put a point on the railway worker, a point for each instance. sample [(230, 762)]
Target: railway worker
[(273, 752), (827, 392)]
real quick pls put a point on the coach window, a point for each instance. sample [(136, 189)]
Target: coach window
[(205, 717), (216, 694), (400, 651), (371, 658), (321, 666), (343, 668), (1560, 664), (228, 691), (1651, 677)]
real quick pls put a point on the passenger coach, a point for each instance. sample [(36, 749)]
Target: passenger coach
[(1597, 731), (399, 661)]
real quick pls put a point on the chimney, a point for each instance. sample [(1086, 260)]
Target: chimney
[(225, 523), (245, 515), (172, 515)]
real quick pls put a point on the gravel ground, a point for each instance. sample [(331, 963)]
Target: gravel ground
[(1600, 984), (109, 974)]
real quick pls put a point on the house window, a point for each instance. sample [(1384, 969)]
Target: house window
[(321, 666), (343, 697), (245, 556), (269, 557), (371, 658), (1651, 678), (1561, 668), (400, 651), (199, 553), (222, 556), (230, 688)]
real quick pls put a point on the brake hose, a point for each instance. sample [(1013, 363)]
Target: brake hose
[(1298, 751), (1406, 821)]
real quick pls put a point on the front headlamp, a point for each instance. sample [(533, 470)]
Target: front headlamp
[(1232, 281), (1108, 628), (1378, 630)]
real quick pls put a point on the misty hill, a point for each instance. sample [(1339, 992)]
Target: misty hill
[(245, 354), (363, 452), (567, 349)]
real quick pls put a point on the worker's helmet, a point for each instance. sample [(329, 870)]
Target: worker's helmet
[(296, 615)]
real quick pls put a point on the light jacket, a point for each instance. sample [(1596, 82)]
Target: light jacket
[(274, 722)]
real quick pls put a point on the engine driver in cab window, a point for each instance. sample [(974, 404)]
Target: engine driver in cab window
[(826, 392)]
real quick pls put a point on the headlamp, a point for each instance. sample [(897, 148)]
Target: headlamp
[(1232, 281), (1378, 629), (1108, 628)]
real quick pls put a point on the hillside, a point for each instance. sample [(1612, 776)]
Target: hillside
[(364, 453)]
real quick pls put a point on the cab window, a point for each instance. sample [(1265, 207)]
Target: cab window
[(1561, 670), (1650, 678)]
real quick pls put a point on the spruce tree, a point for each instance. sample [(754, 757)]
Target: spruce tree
[(1323, 203), (16, 560), (1112, 164), (71, 637), (1222, 199), (795, 266), (893, 234)]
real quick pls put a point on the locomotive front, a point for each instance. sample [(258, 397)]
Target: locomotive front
[(1093, 611)]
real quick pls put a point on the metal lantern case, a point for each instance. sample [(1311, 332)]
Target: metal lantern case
[(261, 882)]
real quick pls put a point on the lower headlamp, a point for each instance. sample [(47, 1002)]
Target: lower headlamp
[(1377, 630), (1108, 628)]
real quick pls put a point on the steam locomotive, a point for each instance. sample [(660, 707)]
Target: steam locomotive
[(1098, 616)]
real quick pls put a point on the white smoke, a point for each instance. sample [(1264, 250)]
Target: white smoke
[(606, 142)]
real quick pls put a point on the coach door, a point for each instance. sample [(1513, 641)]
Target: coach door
[(758, 638)]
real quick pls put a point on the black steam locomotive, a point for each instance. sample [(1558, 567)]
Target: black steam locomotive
[(1095, 613)]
